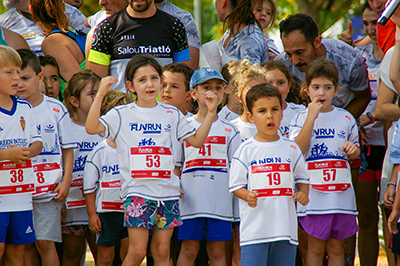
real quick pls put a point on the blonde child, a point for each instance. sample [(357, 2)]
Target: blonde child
[(143, 132), (20, 141), (102, 185), (54, 125), (78, 97), (265, 13), (279, 76), (230, 105), (265, 170), (328, 138)]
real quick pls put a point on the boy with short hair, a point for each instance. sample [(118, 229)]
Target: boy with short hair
[(51, 76), (264, 171), (175, 87), (19, 142), (54, 125), (206, 201)]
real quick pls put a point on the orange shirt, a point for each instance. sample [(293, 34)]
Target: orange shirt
[(386, 36)]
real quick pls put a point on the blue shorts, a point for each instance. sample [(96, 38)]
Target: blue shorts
[(112, 227), (209, 228), (272, 253), (16, 228)]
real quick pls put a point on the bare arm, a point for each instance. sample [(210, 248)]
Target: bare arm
[(194, 58), (68, 162), (15, 40), (94, 219), (302, 194), (35, 148), (385, 108), (88, 44), (249, 197), (395, 64), (101, 70), (361, 99)]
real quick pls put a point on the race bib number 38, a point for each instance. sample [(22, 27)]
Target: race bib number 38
[(271, 180), (151, 162), (329, 175), (16, 178)]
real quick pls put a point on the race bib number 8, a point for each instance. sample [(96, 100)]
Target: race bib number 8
[(212, 155), (151, 162), (271, 180), (329, 175), (47, 176), (16, 178)]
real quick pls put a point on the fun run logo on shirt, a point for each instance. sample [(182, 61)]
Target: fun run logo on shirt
[(156, 51), (323, 133), (148, 128), (113, 169), (267, 160), (20, 142), (85, 146)]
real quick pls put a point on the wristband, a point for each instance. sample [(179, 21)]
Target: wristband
[(392, 183), (371, 118)]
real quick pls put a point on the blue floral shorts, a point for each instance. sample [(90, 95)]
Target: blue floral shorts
[(140, 212)]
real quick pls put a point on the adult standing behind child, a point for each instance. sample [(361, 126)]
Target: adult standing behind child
[(20, 142), (243, 39)]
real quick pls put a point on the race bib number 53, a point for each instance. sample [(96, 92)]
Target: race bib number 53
[(271, 180), (151, 162), (329, 175)]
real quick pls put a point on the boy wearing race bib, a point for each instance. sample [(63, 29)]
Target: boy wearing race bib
[(266, 170), (328, 137), (52, 164), (102, 187), (19, 141), (206, 201)]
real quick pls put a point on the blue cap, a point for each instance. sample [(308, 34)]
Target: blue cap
[(203, 74)]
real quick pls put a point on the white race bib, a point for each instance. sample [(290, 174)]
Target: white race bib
[(151, 162), (76, 197), (47, 176), (16, 178), (329, 175), (211, 156), (271, 180), (111, 199)]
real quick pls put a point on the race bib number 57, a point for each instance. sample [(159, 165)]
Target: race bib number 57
[(329, 175)]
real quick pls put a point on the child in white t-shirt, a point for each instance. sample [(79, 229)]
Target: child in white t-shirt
[(328, 137), (143, 132), (266, 172)]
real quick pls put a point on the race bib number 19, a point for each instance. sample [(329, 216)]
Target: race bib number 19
[(271, 180), (16, 178), (151, 162), (329, 175)]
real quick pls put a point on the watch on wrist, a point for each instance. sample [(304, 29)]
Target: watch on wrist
[(371, 118)]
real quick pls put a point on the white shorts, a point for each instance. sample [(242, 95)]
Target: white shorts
[(47, 220)]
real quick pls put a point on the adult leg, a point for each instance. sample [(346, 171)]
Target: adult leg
[(315, 251), (138, 238), (73, 249), (160, 246), (335, 251), (48, 252), (189, 250), (216, 253), (14, 255)]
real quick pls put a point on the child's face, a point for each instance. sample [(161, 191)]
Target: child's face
[(173, 90), (215, 85), (146, 83), (87, 97), (278, 80), (52, 80), (266, 115), (324, 90), (263, 14), (242, 98), (29, 83), (9, 77)]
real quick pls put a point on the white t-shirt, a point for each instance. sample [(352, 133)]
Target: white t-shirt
[(247, 130), (353, 74), (75, 202), (383, 73), (205, 174), (54, 126), (329, 192), (144, 138), (103, 176), (18, 128), (15, 21), (256, 164), (291, 110), (227, 114), (98, 17), (374, 130)]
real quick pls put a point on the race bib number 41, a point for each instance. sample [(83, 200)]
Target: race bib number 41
[(16, 178), (329, 175), (271, 180), (151, 162)]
